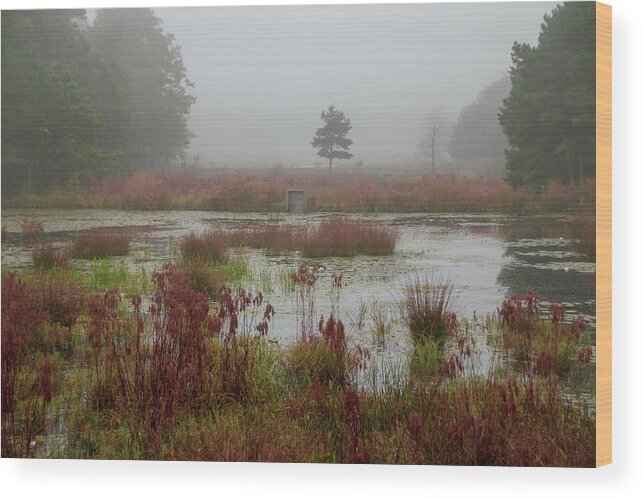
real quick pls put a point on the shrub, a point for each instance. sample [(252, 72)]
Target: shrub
[(208, 246), (100, 244)]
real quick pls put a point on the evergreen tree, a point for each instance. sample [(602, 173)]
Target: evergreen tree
[(550, 114), (154, 79), (48, 119), (331, 140)]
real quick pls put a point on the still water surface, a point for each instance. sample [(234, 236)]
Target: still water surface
[(486, 257)]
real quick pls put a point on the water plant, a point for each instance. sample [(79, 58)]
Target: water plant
[(106, 274), (31, 230), (208, 246), (359, 319), (101, 243), (427, 310), (322, 358), (58, 296), (286, 282), (305, 278), (20, 321), (275, 238), (544, 345), (47, 256), (195, 377), (382, 324), (236, 271), (205, 278), (338, 236)]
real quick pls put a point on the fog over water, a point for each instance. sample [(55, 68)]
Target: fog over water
[(263, 74)]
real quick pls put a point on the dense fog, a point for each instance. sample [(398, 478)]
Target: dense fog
[(262, 74)]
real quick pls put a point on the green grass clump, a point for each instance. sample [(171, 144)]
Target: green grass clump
[(105, 274)]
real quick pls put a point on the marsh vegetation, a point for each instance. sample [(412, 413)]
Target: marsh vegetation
[(182, 357)]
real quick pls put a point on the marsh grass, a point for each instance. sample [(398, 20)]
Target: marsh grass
[(338, 236), (208, 247), (427, 359), (205, 278), (100, 244), (547, 345), (349, 191), (197, 379), (333, 236), (106, 274), (32, 230), (236, 271), (47, 257), (382, 324), (427, 310), (275, 238)]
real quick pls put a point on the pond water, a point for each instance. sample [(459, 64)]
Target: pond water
[(486, 257)]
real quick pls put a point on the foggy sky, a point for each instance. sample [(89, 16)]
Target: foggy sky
[(263, 74)]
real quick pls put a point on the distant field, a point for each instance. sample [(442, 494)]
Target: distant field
[(265, 191)]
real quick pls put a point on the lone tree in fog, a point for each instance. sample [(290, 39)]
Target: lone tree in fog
[(330, 140)]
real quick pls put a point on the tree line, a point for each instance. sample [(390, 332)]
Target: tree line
[(82, 99), (539, 124), (549, 116)]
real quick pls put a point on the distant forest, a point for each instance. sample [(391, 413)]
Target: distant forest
[(81, 100), (85, 101)]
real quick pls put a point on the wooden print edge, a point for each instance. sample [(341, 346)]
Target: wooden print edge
[(603, 234)]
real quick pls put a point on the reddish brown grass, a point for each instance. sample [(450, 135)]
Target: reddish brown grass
[(334, 236), (31, 230), (20, 324), (275, 238), (337, 236), (100, 244), (207, 247), (46, 257), (348, 190)]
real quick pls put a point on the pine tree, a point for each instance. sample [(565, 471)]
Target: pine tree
[(331, 140), (550, 114)]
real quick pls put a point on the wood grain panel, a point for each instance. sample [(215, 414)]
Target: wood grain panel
[(603, 234)]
